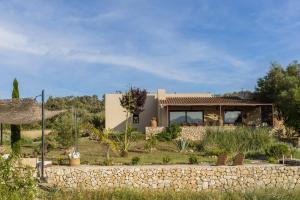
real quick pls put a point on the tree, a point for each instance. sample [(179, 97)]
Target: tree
[(282, 87), (133, 102), (15, 129), (104, 138)]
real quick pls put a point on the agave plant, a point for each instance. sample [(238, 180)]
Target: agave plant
[(182, 144)]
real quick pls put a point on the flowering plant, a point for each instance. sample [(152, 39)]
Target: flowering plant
[(74, 155)]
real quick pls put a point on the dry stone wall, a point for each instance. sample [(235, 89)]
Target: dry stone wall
[(194, 133), (175, 177)]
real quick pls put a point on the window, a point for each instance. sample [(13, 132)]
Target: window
[(135, 119), (177, 117), (186, 117), (232, 117), (194, 117)]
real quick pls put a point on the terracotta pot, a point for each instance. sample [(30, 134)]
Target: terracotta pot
[(75, 162), (153, 123)]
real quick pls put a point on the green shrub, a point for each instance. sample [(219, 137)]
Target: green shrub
[(193, 159), (170, 133), (166, 159), (107, 162), (272, 160), (237, 140), (135, 160), (213, 150), (277, 150), (151, 142), (17, 181)]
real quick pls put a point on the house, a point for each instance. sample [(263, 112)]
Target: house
[(193, 111)]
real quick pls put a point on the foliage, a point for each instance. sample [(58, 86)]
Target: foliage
[(166, 159), (15, 129), (16, 181), (170, 133), (282, 85), (62, 126), (90, 110), (182, 144), (240, 139), (151, 142), (245, 94), (193, 159), (277, 150), (104, 138), (135, 160), (107, 162), (125, 194), (125, 139), (133, 102)]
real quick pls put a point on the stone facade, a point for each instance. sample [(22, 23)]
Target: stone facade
[(175, 177), (194, 133), (153, 131)]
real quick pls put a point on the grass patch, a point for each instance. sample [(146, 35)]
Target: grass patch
[(125, 194)]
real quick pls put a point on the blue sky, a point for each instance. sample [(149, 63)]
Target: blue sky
[(95, 47)]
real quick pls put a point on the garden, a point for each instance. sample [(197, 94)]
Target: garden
[(78, 137)]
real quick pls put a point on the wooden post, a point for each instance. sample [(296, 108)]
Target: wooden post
[(220, 117), (168, 116)]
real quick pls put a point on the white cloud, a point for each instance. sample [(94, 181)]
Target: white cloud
[(169, 66)]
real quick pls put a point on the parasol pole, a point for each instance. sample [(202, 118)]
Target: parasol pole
[(43, 133)]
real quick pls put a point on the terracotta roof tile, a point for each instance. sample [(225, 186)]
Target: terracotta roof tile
[(209, 101)]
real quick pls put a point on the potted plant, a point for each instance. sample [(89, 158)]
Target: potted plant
[(74, 158), (153, 122)]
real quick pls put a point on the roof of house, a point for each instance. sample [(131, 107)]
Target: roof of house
[(209, 101)]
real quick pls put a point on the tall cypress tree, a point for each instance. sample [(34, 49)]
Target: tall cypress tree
[(15, 129)]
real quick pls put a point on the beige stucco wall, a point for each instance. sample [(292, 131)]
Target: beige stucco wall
[(115, 115)]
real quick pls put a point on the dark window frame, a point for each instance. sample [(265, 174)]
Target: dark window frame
[(185, 111), (232, 111), (137, 116)]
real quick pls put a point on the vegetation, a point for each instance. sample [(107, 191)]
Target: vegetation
[(170, 133), (193, 159), (104, 138), (124, 194), (277, 151), (236, 140), (135, 160), (182, 144), (166, 160), (282, 85), (133, 102), (16, 181), (15, 129)]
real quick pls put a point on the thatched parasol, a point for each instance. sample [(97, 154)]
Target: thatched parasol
[(23, 111)]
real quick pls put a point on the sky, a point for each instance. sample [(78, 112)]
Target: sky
[(95, 47)]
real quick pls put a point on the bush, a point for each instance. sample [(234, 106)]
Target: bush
[(135, 160), (170, 133), (17, 181), (166, 159), (193, 159), (276, 151), (237, 140), (151, 142), (107, 162)]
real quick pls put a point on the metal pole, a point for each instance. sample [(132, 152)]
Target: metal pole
[(43, 133), (76, 131), (1, 127)]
